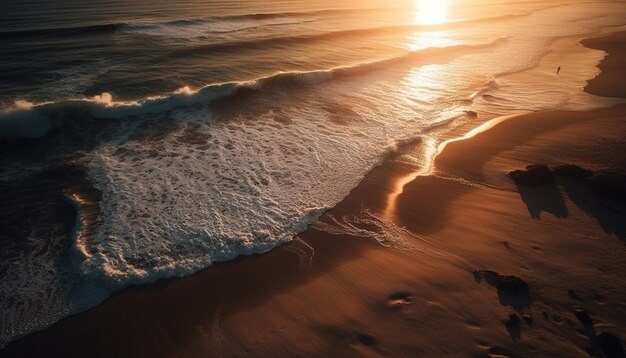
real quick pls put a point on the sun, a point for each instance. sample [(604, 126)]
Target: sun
[(431, 12)]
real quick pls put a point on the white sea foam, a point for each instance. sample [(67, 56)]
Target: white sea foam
[(172, 207)]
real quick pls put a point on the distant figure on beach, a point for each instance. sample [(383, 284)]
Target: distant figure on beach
[(558, 70)]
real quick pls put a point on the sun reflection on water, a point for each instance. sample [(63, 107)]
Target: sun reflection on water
[(426, 39), (429, 13)]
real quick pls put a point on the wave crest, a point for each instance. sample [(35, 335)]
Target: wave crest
[(27, 120)]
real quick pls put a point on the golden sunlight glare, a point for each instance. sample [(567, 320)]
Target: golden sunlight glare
[(431, 12)]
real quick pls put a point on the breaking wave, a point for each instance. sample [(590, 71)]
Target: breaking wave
[(28, 120)]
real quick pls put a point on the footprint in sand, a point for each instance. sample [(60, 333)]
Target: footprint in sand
[(574, 295), (498, 352), (598, 298), (472, 324), (399, 299), (366, 340)]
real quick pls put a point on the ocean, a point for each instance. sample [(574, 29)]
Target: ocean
[(142, 140)]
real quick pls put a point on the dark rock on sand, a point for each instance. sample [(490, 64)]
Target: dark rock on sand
[(534, 176), (610, 345), (511, 284), (609, 185), (512, 290), (572, 171), (606, 184)]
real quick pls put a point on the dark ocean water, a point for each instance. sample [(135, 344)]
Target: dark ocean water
[(134, 49), (148, 139)]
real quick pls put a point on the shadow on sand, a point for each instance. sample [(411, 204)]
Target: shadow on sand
[(546, 198), (603, 344), (602, 202), (513, 292)]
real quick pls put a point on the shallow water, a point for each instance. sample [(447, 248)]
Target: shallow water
[(144, 140)]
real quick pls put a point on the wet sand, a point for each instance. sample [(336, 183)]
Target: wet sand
[(467, 263)]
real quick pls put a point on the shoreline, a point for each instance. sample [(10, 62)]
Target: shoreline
[(363, 284), (607, 85)]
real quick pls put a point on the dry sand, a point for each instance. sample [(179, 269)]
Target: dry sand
[(428, 280)]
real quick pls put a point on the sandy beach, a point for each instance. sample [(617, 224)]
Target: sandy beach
[(465, 263)]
